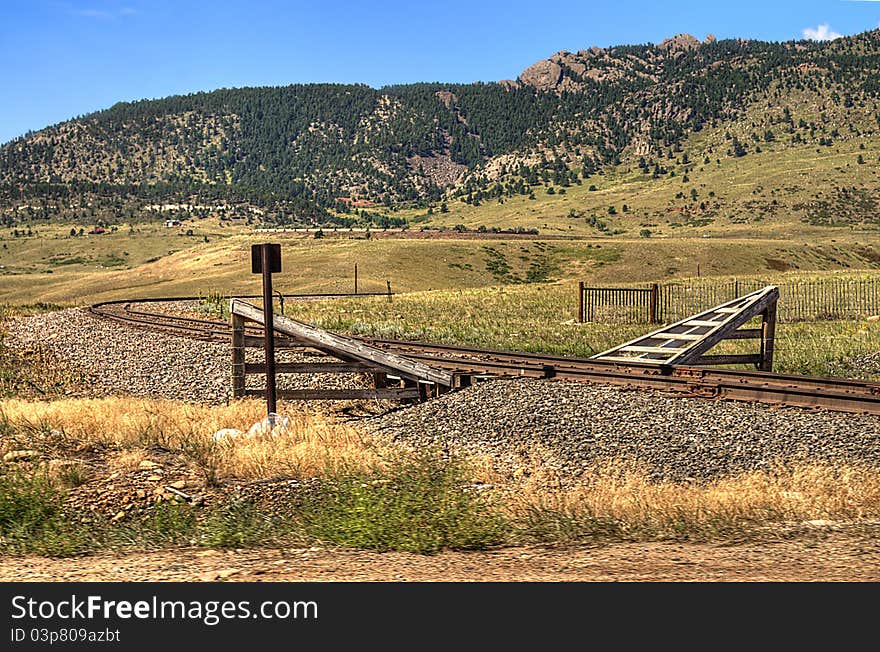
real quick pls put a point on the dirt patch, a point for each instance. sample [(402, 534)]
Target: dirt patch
[(778, 265), (827, 557)]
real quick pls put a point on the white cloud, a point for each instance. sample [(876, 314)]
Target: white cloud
[(821, 33)]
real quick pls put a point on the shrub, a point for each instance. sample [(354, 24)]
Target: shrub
[(32, 517), (421, 504)]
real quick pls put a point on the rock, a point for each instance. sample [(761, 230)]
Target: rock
[(544, 75), (213, 575), (227, 572), (447, 97), (180, 484), (680, 43), (58, 465), (149, 465), (154, 478), (874, 318), (272, 424), (21, 456), (225, 433)]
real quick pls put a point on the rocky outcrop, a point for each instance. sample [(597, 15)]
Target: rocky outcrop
[(543, 76), (447, 97), (680, 43)]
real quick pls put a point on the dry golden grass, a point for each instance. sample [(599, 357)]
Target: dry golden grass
[(613, 500), (311, 445), (621, 500)]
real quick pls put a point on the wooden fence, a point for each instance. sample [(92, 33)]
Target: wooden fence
[(799, 300), (620, 305)]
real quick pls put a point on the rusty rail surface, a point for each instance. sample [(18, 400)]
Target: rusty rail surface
[(468, 363)]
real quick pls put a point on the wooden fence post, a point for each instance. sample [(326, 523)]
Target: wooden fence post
[(655, 291), (768, 334), (237, 356), (388, 285), (581, 315)]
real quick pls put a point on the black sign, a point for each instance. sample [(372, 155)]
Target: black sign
[(274, 254)]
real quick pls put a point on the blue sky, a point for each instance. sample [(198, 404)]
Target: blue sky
[(60, 59)]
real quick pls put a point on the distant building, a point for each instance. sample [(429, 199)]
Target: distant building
[(170, 223)]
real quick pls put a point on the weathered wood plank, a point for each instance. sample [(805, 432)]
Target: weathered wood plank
[(391, 394), (768, 335), (702, 322), (238, 366), (252, 342), (671, 350), (346, 346), (746, 358), (621, 358), (744, 334), (309, 368), (691, 337)]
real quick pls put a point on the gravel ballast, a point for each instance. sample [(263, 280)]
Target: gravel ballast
[(117, 359), (574, 425)]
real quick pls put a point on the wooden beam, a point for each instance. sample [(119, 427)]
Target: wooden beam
[(752, 358), (238, 365), (702, 322), (768, 328), (309, 368), (744, 334), (651, 349), (692, 337), (346, 347), (621, 358), (391, 394), (252, 342)]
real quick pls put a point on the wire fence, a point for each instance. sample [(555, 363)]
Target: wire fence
[(799, 300)]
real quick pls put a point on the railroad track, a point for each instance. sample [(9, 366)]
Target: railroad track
[(836, 394)]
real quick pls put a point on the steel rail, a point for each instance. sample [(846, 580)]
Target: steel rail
[(839, 394)]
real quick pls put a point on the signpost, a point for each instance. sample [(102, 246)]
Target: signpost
[(266, 260)]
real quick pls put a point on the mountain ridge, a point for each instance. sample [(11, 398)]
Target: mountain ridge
[(312, 151)]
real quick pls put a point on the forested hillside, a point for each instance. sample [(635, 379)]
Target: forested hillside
[(324, 153)]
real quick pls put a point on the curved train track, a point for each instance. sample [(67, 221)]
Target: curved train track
[(837, 394)]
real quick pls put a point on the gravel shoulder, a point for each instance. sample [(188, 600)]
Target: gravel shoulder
[(826, 558), (113, 359), (572, 426)]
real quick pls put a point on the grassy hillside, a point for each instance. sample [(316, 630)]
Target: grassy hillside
[(54, 267)]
